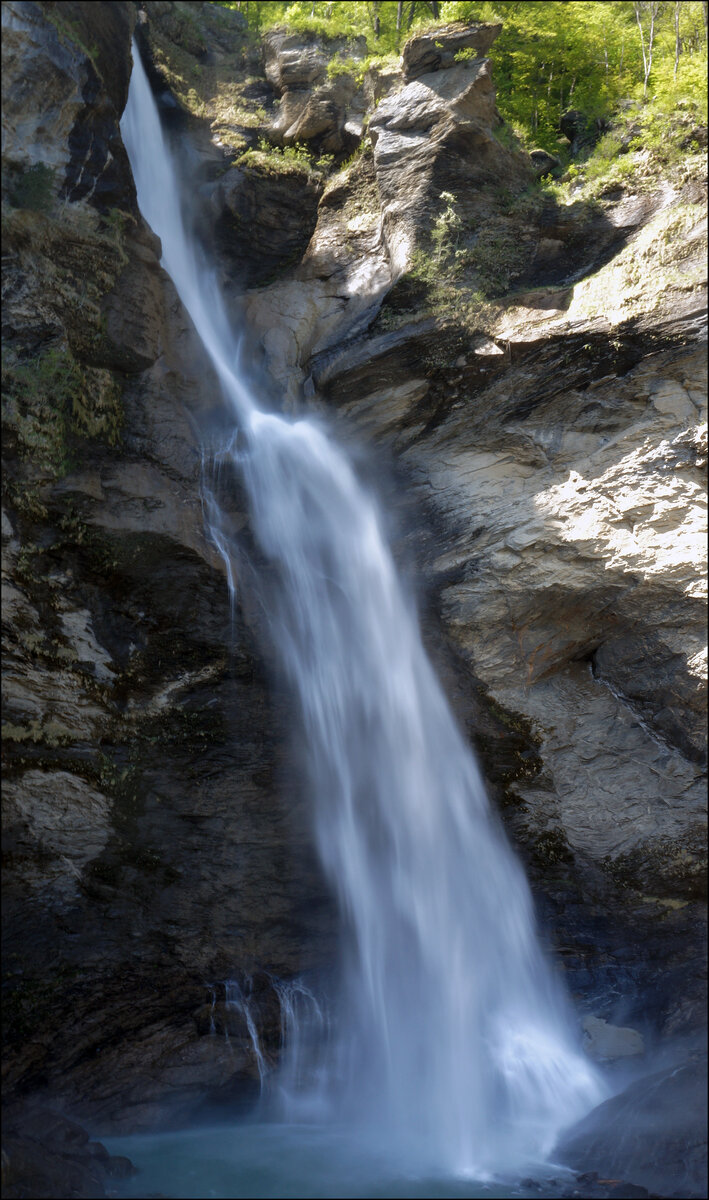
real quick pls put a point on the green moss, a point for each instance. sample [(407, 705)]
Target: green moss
[(338, 66), (37, 395), (192, 729), (69, 31), (673, 870), (97, 408), (33, 188), (50, 733), (115, 223), (50, 399)]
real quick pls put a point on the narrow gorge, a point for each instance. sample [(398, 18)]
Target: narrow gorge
[(506, 379)]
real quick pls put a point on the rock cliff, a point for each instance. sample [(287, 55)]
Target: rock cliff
[(542, 420), (151, 848)]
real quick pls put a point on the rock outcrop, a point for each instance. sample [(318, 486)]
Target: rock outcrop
[(654, 1133), (323, 112), (438, 49), (143, 751)]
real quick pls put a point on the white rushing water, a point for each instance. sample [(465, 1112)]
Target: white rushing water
[(451, 1042)]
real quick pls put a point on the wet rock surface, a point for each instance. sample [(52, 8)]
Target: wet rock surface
[(46, 1155), (653, 1133), (144, 749)]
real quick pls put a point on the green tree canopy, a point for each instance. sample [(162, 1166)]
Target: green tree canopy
[(551, 54)]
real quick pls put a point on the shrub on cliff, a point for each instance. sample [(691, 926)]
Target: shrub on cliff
[(33, 188)]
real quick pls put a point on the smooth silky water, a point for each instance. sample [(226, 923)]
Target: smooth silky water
[(451, 1051)]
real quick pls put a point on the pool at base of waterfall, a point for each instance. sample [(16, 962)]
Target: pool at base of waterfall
[(259, 1160)]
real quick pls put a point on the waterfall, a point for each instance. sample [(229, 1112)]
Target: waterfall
[(451, 1041)]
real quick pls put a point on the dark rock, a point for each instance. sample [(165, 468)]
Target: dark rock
[(106, 32), (654, 1132), (117, 1166), (45, 1155), (379, 362), (49, 54), (179, 26), (581, 130), (133, 311), (265, 216), (544, 163), (98, 170)]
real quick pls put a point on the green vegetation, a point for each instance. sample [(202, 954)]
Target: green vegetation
[(588, 56), (277, 160), (115, 224), (69, 30), (50, 397), (464, 268), (37, 395), (33, 188), (212, 89), (549, 56)]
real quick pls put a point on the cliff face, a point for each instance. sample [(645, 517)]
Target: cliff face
[(549, 441), (151, 849)]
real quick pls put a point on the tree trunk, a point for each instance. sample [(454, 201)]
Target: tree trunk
[(434, 8), (399, 15), (678, 44), (642, 46), (654, 8)]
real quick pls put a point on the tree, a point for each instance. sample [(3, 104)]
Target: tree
[(651, 9)]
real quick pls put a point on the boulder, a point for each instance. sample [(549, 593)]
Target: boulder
[(581, 130), (438, 49), (292, 62), (318, 118), (45, 1155), (314, 109), (437, 135), (654, 1133), (544, 163)]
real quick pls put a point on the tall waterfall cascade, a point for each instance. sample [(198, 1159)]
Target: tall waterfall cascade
[(450, 1041)]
